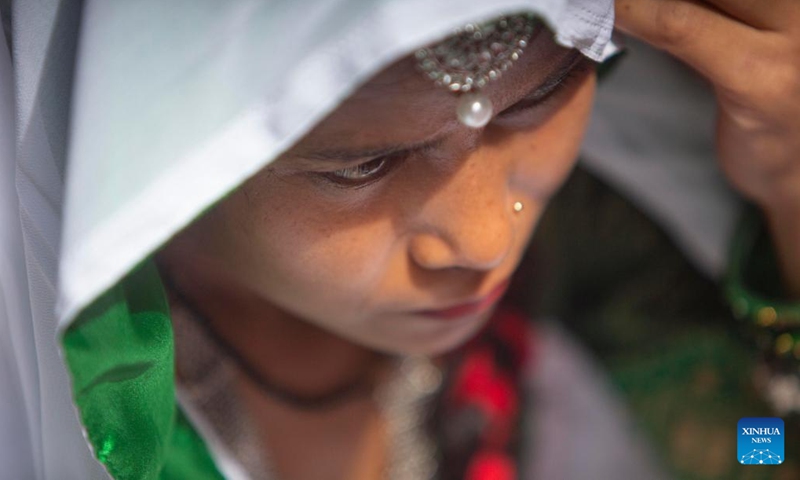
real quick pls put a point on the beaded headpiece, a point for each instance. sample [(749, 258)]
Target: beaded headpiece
[(475, 55)]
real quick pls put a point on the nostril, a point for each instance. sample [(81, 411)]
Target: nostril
[(468, 247), (432, 252), (486, 248)]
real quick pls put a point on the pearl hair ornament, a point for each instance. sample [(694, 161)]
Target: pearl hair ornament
[(475, 55)]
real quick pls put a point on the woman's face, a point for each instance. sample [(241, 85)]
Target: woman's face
[(390, 208)]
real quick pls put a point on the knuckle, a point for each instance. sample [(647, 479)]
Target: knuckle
[(781, 76), (676, 23), (779, 85), (743, 81), (785, 82), (765, 78)]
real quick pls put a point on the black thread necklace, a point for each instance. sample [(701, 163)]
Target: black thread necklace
[(356, 388)]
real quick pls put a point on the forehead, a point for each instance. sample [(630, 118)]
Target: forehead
[(401, 105)]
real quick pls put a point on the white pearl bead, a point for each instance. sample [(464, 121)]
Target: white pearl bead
[(474, 110)]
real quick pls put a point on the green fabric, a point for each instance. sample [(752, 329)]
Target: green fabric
[(188, 457), (120, 353), (752, 282)]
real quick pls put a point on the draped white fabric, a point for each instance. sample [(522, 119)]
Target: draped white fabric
[(44, 439), (18, 402)]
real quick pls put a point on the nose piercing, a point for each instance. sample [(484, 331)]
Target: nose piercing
[(518, 206)]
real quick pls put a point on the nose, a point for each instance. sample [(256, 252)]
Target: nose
[(468, 221)]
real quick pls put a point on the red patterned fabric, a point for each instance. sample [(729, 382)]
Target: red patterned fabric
[(482, 406), (490, 465)]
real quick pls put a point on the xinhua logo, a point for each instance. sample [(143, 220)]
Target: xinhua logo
[(760, 441)]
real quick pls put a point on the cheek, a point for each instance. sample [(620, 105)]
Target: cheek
[(291, 248), (545, 156)]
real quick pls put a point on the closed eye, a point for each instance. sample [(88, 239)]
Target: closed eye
[(366, 173), (362, 171), (543, 93)]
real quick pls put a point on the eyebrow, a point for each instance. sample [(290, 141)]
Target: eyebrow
[(535, 95), (346, 155)]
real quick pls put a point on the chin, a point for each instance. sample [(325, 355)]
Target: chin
[(431, 338)]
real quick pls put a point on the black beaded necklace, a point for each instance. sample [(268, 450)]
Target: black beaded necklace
[(359, 387)]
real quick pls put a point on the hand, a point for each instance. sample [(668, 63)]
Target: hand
[(750, 52)]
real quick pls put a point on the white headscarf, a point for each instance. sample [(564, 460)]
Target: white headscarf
[(164, 108)]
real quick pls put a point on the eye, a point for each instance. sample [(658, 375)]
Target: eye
[(362, 171), (549, 91)]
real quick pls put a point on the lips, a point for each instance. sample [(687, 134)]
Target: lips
[(472, 308)]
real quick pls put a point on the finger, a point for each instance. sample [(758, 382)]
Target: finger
[(716, 45), (762, 14)]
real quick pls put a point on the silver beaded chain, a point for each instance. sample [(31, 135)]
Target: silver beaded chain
[(475, 55), (405, 402)]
